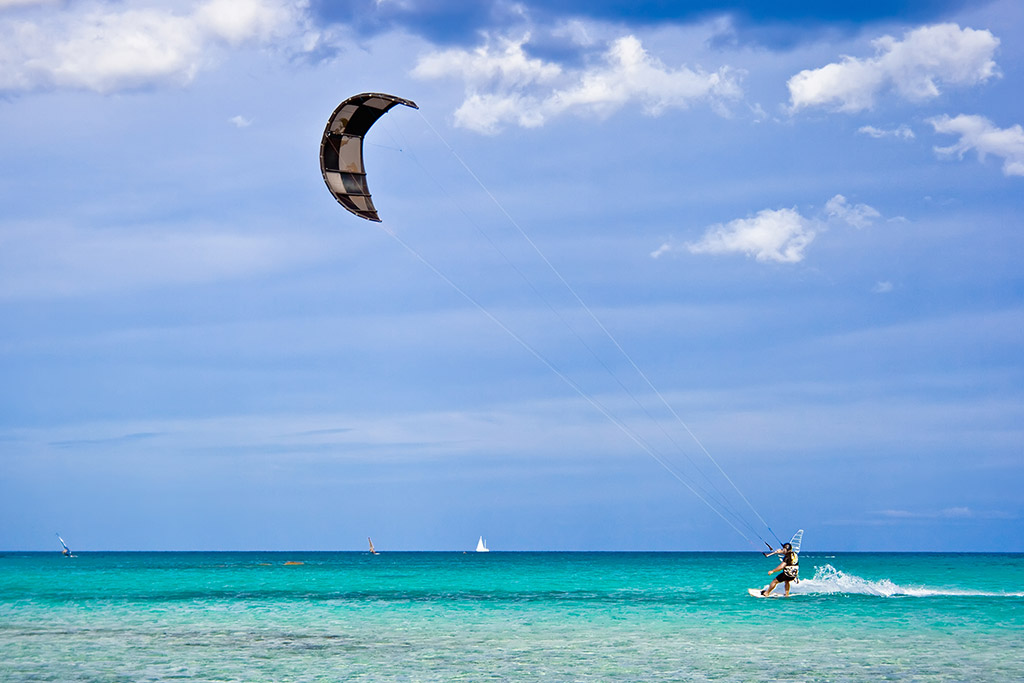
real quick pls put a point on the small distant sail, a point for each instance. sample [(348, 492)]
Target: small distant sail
[(372, 551), (481, 546), (67, 550), (798, 537)]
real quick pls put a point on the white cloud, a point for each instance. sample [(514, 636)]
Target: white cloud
[(914, 67), (237, 22), (505, 67), (902, 132), (779, 235), (772, 235), (504, 86), (662, 250), (858, 215), (239, 121), (632, 74), (107, 48), (981, 135)]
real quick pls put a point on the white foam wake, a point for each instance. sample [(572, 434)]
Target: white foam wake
[(829, 580)]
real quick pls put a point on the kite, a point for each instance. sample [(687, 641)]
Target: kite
[(341, 149)]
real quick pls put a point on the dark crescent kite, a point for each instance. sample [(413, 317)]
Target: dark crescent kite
[(341, 150)]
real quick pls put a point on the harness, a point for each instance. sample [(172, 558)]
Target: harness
[(792, 561)]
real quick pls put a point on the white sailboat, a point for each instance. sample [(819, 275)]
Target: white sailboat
[(481, 546)]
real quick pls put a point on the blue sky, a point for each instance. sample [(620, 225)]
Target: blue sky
[(804, 226)]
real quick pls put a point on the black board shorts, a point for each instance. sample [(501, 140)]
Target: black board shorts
[(783, 576)]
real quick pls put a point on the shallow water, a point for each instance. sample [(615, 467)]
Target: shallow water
[(507, 616)]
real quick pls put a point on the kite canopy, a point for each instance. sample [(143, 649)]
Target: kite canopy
[(341, 150)]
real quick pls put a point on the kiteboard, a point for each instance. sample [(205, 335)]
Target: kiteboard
[(756, 592)]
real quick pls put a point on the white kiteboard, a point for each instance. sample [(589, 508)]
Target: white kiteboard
[(756, 592)]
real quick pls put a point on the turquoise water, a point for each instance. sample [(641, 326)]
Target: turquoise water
[(508, 616)]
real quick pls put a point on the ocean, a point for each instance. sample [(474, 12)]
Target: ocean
[(452, 616)]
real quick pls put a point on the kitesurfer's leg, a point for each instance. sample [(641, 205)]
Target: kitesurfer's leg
[(787, 589), (768, 591)]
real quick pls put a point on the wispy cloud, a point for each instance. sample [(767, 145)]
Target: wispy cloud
[(106, 441), (959, 512), (915, 67), (504, 86), (901, 132), (981, 135), (428, 433), (44, 260), (239, 121), (4, 4), (775, 235), (857, 215), (107, 48)]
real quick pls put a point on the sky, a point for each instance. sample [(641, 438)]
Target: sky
[(651, 276)]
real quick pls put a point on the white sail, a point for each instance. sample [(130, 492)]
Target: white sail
[(481, 546), (797, 539), (67, 550)]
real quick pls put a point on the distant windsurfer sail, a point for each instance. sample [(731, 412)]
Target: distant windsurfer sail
[(481, 546), (372, 551), (797, 539), (67, 551)]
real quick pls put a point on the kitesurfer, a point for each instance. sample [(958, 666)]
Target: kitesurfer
[(789, 569)]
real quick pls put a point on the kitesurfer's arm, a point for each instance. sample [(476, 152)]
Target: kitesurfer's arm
[(778, 569)]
